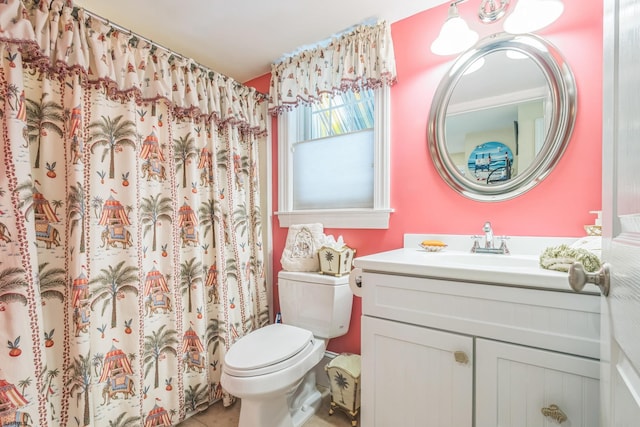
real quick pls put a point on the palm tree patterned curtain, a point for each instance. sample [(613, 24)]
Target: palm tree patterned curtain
[(130, 231), (361, 58)]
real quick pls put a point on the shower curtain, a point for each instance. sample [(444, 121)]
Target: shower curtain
[(130, 230)]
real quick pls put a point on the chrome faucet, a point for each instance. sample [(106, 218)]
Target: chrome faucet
[(488, 235), (489, 247)]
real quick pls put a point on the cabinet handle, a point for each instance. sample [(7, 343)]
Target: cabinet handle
[(461, 357), (555, 413)]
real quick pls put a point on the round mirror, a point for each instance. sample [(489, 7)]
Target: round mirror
[(502, 117)]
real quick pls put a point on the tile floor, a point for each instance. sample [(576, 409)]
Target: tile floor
[(219, 416)]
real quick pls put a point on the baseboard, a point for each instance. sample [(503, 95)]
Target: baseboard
[(321, 375)]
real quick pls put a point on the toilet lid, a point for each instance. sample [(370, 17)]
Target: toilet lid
[(267, 346)]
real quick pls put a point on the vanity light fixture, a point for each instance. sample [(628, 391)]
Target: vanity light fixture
[(531, 15), (455, 35), (492, 10)]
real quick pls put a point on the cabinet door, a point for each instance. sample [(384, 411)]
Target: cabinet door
[(517, 386), (415, 376)]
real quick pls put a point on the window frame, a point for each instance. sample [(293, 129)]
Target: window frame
[(373, 218)]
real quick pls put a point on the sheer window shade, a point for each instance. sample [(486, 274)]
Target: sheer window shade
[(333, 154), (334, 173)]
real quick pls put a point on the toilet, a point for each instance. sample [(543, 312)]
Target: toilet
[(272, 368)]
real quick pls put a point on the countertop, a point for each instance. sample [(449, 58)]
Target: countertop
[(455, 262)]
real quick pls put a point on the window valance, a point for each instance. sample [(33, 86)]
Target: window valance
[(362, 58)]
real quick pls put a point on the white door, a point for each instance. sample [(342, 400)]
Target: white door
[(620, 328)]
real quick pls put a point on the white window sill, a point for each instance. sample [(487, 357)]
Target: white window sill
[(339, 218)]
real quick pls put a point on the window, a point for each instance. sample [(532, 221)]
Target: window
[(334, 162)]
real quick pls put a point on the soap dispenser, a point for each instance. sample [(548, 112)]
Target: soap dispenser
[(595, 229)]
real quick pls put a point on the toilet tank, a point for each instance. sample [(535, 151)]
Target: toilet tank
[(316, 302)]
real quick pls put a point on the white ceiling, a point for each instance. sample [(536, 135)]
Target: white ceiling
[(241, 38)]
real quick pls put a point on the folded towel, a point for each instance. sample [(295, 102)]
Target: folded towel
[(301, 248), (560, 258)]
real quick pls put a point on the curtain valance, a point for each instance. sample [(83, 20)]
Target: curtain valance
[(362, 58), (60, 38)]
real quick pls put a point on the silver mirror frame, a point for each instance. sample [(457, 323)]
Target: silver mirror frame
[(562, 89)]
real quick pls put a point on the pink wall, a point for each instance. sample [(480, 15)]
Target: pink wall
[(423, 202)]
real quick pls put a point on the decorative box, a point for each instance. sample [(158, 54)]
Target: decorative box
[(344, 381), (335, 262)]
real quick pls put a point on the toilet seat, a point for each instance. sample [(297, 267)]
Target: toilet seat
[(280, 346)]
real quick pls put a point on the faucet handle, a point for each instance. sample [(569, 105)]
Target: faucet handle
[(476, 243), (503, 243)]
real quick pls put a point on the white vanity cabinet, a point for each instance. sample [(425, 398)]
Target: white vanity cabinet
[(518, 385), (450, 353), (411, 377)]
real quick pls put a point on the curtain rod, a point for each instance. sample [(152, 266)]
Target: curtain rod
[(326, 41), (151, 42)]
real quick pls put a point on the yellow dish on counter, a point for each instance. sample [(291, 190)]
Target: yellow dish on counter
[(433, 245)]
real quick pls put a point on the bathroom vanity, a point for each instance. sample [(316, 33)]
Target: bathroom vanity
[(459, 339)]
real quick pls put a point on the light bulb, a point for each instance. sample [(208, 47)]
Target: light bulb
[(455, 35), (532, 15)]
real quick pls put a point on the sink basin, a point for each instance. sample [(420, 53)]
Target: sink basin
[(489, 261)]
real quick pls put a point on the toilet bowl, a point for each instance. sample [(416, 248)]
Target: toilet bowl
[(266, 381), (272, 368)]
